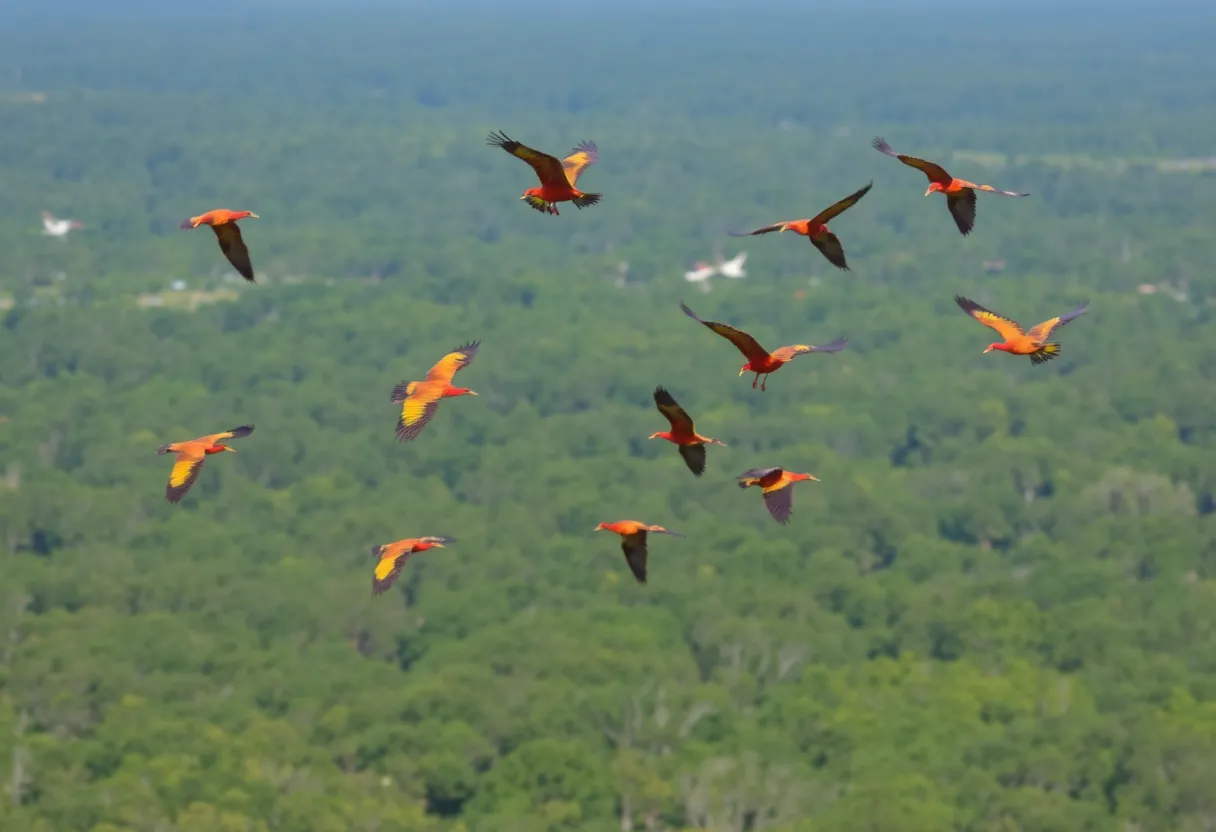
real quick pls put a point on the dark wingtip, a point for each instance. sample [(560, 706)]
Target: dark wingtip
[(498, 139), (966, 304), (833, 346), (162, 450), (185, 225), (587, 200), (688, 311)]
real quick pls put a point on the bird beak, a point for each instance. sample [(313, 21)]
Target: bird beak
[(230, 449), (597, 528), (813, 477), (988, 350), (741, 372), (253, 216), (525, 196), (928, 191), (472, 392)]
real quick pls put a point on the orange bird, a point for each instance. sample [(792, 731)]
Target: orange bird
[(557, 178), (1033, 343), (392, 557), (191, 456), (777, 485), (633, 543), (683, 433), (960, 194), (420, 399), (816, 229), (759, 360), (223, 223)]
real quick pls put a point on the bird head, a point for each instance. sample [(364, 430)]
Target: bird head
[(934, 187), (655, 435), (991, 347), (248, 215), (600, 527), (461, 391), (219, 449), (801, 477)]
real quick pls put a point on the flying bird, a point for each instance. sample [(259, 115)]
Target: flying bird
[(1032, 343), (816, 228), (777, 485), (223, 223), (53, 227), (557, 178), (392, 557), (420, 399), (960, 194), (700, 273), (759, 360), (683, 433), (633, 543), (191, 456)]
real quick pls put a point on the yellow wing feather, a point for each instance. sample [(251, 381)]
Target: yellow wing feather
[(583, 157)]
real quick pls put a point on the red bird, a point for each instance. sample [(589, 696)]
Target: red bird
[(1032, 343), (633, 543), (816, 229), (223, 223), (759, 360), (683, 433), (960, 194), (557, 178), (419, 400), (391, 557), (192, 454), (777, 484)]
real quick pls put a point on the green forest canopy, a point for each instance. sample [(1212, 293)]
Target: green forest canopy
[(994, 612)]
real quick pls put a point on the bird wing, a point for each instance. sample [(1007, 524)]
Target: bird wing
[(694, 457), (829, 246), (234, 433), (681, 422), (992, 190), (416, 411), (581, 158), (768, 229), (634, 547), (757, 476), (548, 168), (1005, 327), (450, 364), (233, 246), (795, 350), (962, 207), (185, 471), (840, 207), (1041, 332), (779, 500), (935, 172), (540, 205), (392, 559), (746, 344)]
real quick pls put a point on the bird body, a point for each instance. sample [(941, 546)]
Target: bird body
[(420, 399), (777, 486), (633, 543), (816, 229), (192, 454), (391, 558), (683, 433), (228, 234), (759, 360), (960, 194), (1017, 342), (53, 227), (557, 177)]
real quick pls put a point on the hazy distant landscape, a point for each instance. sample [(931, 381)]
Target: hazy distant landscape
[(994, 612)]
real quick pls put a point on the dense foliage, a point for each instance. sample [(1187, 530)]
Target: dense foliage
[(994, 612)]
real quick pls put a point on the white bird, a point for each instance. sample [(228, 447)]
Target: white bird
[(733, 268), (57, 228)]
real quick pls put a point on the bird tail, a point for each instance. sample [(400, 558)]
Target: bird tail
[(401, 391), (586, 200), (1045, 353)]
